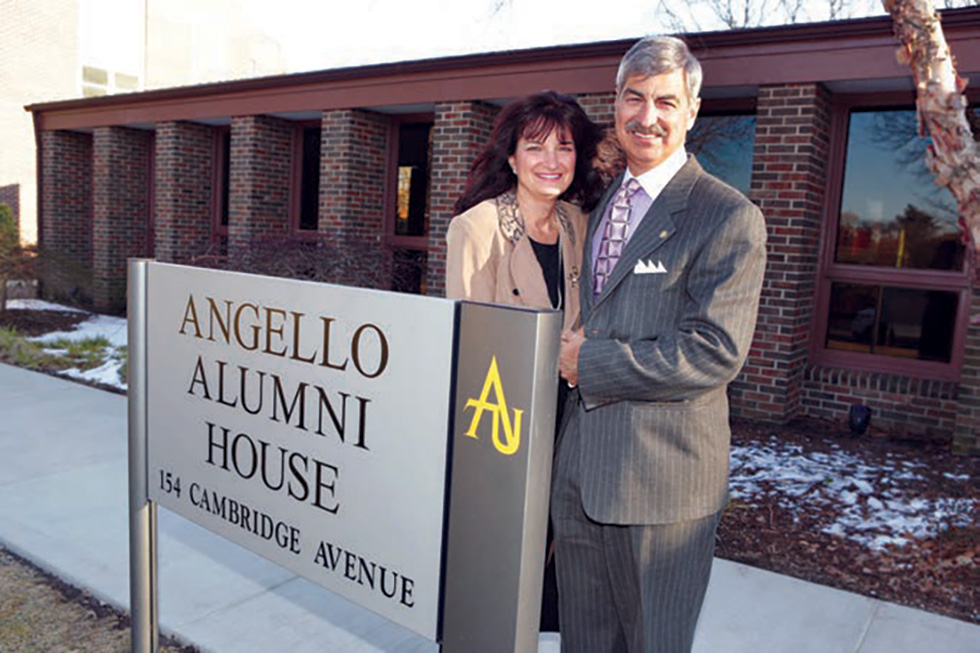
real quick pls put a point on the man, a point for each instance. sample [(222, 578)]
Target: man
[(669, 292)]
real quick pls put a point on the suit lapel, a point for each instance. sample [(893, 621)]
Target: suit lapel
[(657, 226)]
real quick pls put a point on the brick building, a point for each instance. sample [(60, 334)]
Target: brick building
[(868, 294)]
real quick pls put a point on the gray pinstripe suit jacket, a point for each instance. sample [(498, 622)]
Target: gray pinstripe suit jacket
[(660, 351)]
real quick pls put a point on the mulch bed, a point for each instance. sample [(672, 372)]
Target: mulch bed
[(36, 323), (939, 575)]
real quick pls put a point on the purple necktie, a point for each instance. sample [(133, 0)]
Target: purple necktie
[(615, 235)]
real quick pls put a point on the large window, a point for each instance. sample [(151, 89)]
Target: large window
[(723, 145), (408, 220), (304, 215), (221, 184), (893, 290), (413, 179)]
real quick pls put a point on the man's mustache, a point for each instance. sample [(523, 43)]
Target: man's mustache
[(638, 128)]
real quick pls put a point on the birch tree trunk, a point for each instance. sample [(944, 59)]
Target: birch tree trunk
[(952, 155)]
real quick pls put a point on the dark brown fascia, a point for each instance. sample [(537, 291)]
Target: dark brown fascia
[(814, 52)]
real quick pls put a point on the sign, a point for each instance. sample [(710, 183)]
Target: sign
[(308, 423), (503, 441)]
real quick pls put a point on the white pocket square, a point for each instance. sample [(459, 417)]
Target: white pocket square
[(649, 267)]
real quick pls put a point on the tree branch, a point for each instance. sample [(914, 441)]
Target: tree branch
[(952, 155)]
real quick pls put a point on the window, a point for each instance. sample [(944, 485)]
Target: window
[(221, 183), (412, 180), (407, 226), (723, 144), (894, 284), (307, 190)]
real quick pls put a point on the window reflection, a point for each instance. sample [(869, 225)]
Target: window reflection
[(892, 214), (723, 145), (413, 179), (902, 322)]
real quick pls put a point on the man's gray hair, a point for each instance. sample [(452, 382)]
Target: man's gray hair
[(655, 55)]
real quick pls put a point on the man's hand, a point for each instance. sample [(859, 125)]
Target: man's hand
[(571, 342)]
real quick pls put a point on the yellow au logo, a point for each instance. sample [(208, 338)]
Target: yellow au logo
[(512, 432)]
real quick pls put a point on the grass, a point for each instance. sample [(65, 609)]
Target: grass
[(18, 350), (85, 354), (60, 354)]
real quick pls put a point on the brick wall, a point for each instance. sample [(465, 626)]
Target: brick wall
[(788, 182), (65, 227), (353, 165), (459, 131), (261, 161), (966, 434), (120, 209), (10, 195), (184, 168), (601, 107), (901, 406)]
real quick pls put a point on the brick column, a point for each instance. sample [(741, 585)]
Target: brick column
[(459, 131), (120, 192), (65, 221), (966, 433), (353, 173), (261, 166), (183, 190), (788, 182)]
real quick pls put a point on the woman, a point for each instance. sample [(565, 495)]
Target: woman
[(519, 232)]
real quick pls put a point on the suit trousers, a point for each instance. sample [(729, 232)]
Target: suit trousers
[(625, 588)]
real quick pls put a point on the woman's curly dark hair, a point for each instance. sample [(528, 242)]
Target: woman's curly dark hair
[(534, 117)]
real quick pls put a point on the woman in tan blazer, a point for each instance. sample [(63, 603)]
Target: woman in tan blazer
[(520, 224), (519, 232)]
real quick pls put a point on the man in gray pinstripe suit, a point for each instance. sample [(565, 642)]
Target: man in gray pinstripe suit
[(669, 293)]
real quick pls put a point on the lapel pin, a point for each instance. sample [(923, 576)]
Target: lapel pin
[(663, 234)]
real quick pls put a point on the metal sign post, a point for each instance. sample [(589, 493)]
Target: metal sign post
[(142, 512)]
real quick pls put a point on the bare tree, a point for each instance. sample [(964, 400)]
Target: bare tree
[(952, 155), (702, 15)]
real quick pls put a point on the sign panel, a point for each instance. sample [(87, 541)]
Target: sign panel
[(307, 423), (503, 440)]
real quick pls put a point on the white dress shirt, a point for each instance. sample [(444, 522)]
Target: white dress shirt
[(652, 183)]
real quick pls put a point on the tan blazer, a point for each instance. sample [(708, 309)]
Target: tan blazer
[(490, 258)]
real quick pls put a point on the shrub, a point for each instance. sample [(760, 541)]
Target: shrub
[(16, 260), (348, 263)]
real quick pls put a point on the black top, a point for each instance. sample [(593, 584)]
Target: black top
[(553, 269)]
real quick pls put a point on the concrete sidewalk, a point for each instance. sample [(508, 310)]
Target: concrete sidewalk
[(63, 505)]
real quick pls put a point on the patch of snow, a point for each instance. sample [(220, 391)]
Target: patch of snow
[(39, 305), (113, 329), (869, 503), (957, 477), (106, 374)]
